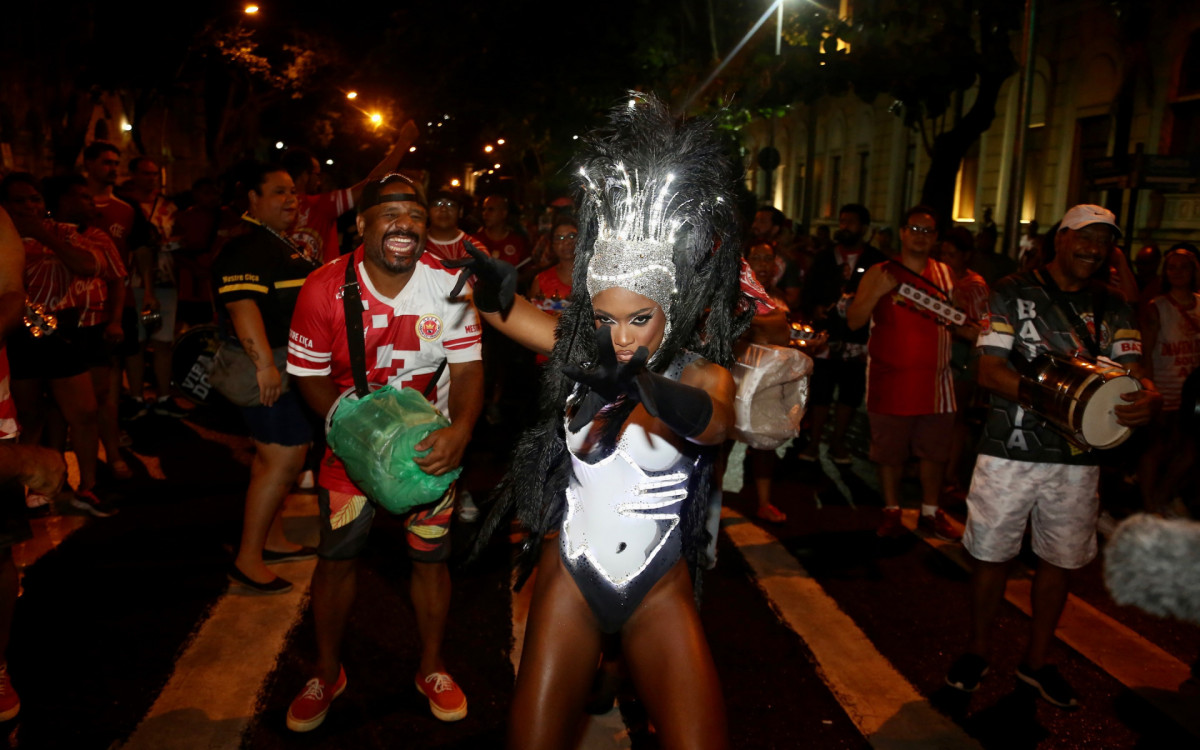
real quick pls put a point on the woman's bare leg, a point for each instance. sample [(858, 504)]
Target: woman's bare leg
[(558, 661), (672, 668)]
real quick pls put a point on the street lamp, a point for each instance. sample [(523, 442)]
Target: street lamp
[(250, 9), (412, 149), (329, 162), (351, 95), (496, 165), (488, 149), (500, 141), (279, 145), (455, 182), (376, 119)]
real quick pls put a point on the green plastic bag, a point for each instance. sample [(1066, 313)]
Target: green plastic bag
[(375, 437)]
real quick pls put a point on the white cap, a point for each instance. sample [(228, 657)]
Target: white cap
[(1078, 217)]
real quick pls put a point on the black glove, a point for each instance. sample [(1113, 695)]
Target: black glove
[(608, 379), (687, 410), (495, 280)]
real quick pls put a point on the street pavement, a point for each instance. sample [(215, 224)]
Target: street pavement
[(128, 636)]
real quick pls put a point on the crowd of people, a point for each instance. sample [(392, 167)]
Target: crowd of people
[(633, 298)]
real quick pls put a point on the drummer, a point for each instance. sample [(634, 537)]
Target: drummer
[(1025, 470)]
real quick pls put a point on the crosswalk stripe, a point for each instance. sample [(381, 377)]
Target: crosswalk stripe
[(210, 697), (885, 707)]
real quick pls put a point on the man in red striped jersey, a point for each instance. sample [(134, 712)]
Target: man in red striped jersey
[(910, 393), (411, 323)]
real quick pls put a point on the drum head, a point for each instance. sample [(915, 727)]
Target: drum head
[(191, 359), (1099, 425)]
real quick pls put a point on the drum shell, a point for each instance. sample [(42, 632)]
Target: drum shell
[(1062, 391)]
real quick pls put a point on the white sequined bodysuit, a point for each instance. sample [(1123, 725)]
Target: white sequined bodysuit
[(621, 532)]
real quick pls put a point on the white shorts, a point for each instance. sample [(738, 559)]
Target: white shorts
[(1060, 499)]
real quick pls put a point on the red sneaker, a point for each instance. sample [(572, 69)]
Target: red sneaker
[(446, 699), (309, 708), (10, 702), (940, 526), (893, 524)]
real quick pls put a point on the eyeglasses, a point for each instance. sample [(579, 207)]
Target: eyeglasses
[(561, 237), (921, 230), (444, 203)]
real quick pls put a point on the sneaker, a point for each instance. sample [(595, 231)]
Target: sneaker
[(771, 514), (309, 708), (446, 700), (1050, 684), (166, 407), (10, 702), (892, 526), (36, 500), (939, 525), (966, 672), (468, 511), (88, 502)]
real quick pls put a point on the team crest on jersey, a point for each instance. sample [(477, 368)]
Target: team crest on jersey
[(985, 324), (429, 327)]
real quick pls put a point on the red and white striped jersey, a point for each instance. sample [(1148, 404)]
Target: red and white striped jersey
[(47, 279), (406, 338), (908, 354), (454, 249)]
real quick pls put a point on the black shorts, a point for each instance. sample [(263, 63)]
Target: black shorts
[(848, 376), (50, 357), (285, 422), (96, 351)]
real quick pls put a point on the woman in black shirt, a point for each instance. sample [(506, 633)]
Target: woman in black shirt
[(258, 276)]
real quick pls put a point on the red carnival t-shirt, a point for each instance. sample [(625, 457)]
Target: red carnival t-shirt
[(406, 338), (908, 354)]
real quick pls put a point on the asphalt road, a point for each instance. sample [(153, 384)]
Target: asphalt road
[(126, 634)]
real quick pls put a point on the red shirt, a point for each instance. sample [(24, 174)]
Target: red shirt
[(513, 248), (406, 338), (908, 354), (551, 286), (47, 279), (453, 249), (90, 293), (316, 224)]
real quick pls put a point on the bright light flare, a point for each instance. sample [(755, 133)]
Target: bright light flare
[(500, 141), (126, 127), (412, 149), (488, 149), (329, 162), (250, 10), (351, 94), (376, 118), (496, 165), (455, 182), (279, 145)]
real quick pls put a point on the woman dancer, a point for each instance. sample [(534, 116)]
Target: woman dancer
[(634, 403)]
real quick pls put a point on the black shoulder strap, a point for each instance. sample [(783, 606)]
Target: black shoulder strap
[(352, 303), (1099, 302)]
